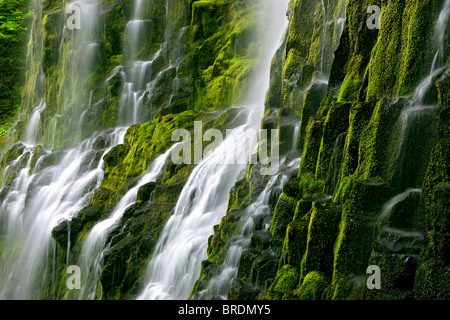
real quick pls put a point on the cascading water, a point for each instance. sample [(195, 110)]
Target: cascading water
[(51, 186), (37, 202), (91, 253), (175, 264), (43, 193), (142, 75), (33, 124), (259, 210)]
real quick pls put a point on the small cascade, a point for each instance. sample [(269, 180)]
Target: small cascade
[(388, 206), (397, 222), (91, 254), (33, 124), (258, 212), (82, 62), (142, 75), (413, 134), (175, 264)]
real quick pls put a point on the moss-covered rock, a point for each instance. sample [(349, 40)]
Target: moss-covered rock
[(284, 213), (322, 233), (313, 286)]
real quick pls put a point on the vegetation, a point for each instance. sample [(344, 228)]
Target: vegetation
[(14, 18)]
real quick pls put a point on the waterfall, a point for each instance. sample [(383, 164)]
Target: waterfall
[(52, 186), (259, 210), (81, 61), (440, 29), (387, 207), (33, 124), (175, 264), (37, 202)]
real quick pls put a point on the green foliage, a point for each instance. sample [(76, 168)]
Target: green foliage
[(14, 16)]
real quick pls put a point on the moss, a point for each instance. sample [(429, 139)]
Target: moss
[(360, 114), (295, 242), (142, 144), (434, 254), (245, 264), (349, 89), (302, 209), (387, 52), (52, 5), (354, 52), (221, 53), (311, 187), (269, 295), (114, 28), (126, 260), (313, 138), (438, 171), (355, 235), (335, 124), (286, 280), (284, 213), (372, 152), (397, 277), (322, 233), (311, 104), (313, 286), (416, 49), (218, 242), (240, 195)]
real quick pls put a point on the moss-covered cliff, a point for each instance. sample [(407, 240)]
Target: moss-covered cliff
[(373, 179)]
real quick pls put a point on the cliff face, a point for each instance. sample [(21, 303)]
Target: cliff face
[(363, 116)]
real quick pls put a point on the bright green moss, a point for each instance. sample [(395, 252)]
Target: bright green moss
[(295, 242), (335, 124), (284, 213), (313, 138), (221, 53), (286, 280), (322, 233), (313, 286)]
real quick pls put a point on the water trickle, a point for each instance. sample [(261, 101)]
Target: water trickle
[(412, 140), (33, 124), (417, 120)]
